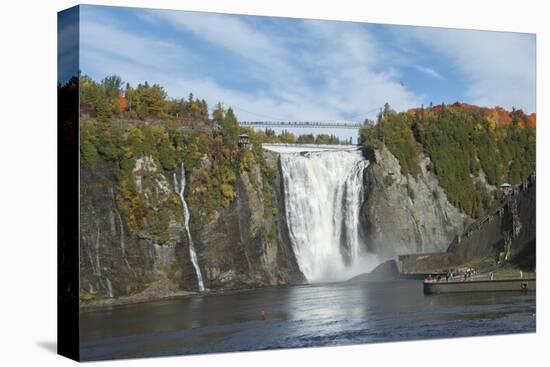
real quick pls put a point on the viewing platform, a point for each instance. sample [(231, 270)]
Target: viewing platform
[(483, 285)]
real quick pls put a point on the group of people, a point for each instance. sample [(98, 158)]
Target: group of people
[(464, 273)]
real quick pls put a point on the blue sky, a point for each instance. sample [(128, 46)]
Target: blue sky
[(294, 69)]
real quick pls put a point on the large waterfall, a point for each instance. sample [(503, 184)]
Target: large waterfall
[(323, 195), (180, 189)]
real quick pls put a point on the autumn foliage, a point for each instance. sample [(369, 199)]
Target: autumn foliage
[(122, 102), (496, 116), (472, 149)]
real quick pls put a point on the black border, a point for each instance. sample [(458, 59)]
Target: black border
[(68, 25)]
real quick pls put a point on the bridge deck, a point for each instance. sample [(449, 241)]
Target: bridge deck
[(304, 124), (296, 148)]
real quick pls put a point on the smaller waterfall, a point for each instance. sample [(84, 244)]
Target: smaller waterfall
[(180, 189), (105, 283), (96, 248), (109, 288), (121, 229)]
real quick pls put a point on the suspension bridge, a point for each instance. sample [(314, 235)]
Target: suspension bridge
[(304, 124)]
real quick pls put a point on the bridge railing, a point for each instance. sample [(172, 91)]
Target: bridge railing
[(304, 124)]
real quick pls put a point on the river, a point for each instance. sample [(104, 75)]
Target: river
[(299, 316)]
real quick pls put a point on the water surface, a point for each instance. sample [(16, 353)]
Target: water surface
[(299, 316)]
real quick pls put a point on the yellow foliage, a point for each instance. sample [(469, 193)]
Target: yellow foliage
[(196, 155), (227, 191), (127, 152), (230, 178), (492, 123)]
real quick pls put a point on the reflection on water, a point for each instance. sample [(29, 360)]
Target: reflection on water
[(310, 315)]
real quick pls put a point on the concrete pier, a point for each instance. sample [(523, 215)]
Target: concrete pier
[(461, 286), (420, 276)]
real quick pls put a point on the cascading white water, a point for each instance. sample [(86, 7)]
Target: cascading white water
[(353, 198), (180, 189), (96, 265), (323, 195), (121, 229)]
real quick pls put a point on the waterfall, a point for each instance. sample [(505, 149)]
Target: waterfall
[(323, 192), (180, 189), (109, 288), (121, 230), (353, 198), (96, 268)]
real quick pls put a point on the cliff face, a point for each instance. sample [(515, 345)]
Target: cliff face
[(403, 214), (112, 263), (507, 235), (243, 245), (248, 244)]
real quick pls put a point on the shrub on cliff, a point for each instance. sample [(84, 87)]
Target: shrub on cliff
[(394, 130)]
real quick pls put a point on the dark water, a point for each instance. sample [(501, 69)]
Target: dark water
[(299, 316)]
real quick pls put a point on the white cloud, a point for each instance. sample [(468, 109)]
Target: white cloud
[(264, 55), (112, 43), (356, 78), (429, 71), (332, 71), (498, 66), (342, 55)]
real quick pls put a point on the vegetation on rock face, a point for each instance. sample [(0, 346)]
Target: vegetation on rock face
[(114, 132), (212, 160), (466, 145), (393, 130)]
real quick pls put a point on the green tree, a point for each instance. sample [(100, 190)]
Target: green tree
[(152, 100), (230, 126), (167, 155)]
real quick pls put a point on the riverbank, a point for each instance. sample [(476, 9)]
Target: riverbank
[(160, 290)]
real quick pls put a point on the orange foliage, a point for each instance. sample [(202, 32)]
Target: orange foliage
[(122, 103), (532, 120), (497, 116)]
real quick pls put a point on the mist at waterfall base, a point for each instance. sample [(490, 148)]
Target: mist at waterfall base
[(323, 193)]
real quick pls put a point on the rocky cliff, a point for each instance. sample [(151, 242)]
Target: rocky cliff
[(243, 245), (247, 244), (505, 237), (405, 214)]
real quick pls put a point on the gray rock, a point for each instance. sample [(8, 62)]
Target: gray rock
[(385, 272), (236, 249), (393, 222)]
